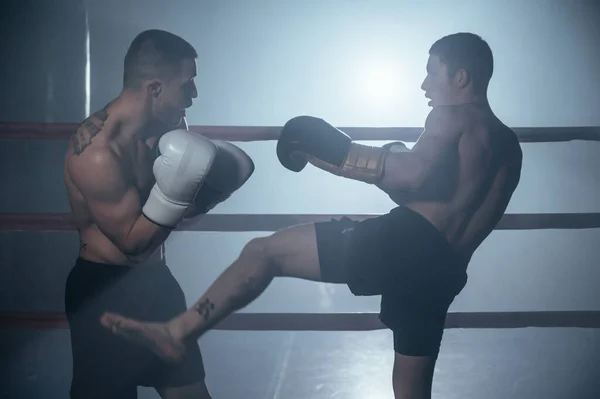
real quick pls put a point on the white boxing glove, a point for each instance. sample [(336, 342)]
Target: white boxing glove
[(230, 171), (180, 169)]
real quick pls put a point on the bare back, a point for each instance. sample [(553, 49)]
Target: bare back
[(468, 193), (107, 184)]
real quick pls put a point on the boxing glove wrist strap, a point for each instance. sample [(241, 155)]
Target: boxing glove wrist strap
[(156, 223), (363, 163)]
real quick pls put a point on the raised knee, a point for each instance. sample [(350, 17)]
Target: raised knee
[(263, 250), (255, 247)]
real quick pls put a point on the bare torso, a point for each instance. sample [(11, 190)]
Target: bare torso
[(136, 161), (467, 196)]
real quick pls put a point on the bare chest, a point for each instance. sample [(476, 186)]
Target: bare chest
[(141, 173)]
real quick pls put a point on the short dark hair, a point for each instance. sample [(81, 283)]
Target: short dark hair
[(155, 54), (469, 52)]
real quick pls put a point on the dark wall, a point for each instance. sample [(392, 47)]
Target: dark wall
[(42, 73)]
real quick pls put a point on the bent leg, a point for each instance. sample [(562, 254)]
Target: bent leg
[(290, 252)]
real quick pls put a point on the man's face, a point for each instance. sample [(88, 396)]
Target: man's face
[(176, 95), (438, 86)]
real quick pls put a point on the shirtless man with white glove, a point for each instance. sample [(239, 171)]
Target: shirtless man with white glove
[(133, 174)]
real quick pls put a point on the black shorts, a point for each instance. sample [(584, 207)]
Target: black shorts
[(105, 365), (405, 259)]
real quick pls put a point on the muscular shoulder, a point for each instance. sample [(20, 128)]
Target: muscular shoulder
[(497, 139), (500, 136), (438, 115), (446, 120), (98, 170)]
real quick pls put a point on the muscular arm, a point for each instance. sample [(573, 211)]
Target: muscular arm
[(114, 202), (410, 170)]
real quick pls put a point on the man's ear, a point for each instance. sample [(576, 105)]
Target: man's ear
[(462, 78), (154, 88)]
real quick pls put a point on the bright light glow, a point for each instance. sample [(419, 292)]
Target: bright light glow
[(387, 91), (380, 84)]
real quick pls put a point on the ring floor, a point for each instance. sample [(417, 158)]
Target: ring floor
[(519, 364)]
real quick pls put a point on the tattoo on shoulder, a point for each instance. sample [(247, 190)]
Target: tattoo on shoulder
[(205, 308), (82, 245), (82, 138)]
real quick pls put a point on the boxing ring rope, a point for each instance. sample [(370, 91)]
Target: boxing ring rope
[(62, 131), (271, 222)]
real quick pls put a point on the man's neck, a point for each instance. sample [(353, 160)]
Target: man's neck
[(479, 100), (133, 117)]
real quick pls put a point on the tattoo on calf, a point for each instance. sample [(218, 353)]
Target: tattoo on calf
[(205, 308), (248, 289), (82, 138)]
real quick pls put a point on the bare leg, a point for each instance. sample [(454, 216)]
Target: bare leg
[(290, 252)]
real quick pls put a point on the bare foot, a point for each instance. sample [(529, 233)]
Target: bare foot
[(154, 336)]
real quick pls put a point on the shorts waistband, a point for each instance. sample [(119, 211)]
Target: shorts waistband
[(89, 263)]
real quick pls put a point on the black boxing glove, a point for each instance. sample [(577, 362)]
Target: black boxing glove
[(308, 139), (230, 170)]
